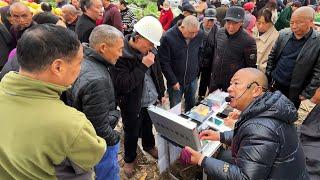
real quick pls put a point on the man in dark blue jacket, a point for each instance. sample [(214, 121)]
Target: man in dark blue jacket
[(264, 142), (179, 58)]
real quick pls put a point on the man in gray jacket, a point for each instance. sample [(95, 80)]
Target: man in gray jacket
[(93, 93)]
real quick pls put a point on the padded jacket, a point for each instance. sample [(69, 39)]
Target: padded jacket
[(93, 94), (305, 76), (264, 143), (130, 72)]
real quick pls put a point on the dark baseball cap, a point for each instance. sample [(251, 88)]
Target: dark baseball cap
[(187, 7), (235, 13), (210, 13)]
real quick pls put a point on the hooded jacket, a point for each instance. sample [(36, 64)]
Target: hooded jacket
[(93, 94), (264, 143)]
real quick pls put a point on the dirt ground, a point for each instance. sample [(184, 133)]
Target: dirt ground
[(146, 168)]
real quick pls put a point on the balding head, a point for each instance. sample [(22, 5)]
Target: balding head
[(107, 41), (245, 85), (255, 75), (21, 15), (69, 13), (302, 21), (306, 12), (189, 27)]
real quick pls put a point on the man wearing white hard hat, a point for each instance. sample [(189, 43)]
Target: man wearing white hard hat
[(139, 83)]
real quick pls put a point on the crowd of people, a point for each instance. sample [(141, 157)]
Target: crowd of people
[(66, 81)]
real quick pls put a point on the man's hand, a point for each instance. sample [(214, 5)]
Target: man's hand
[(148, 59), (176, 87), (302, 97), (231, 119), (210, 135), (316, 97), (195, 155)]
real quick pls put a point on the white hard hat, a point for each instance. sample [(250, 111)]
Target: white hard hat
[(150, 28), (225, 2)]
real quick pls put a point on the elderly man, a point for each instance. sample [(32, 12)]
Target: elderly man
[(70, 16), (22, 18), (264, 142), (178, 55), (93, 93), (210, 29), (235, 49), (92, 10), (41, 137), (293, 65), (139, 83)]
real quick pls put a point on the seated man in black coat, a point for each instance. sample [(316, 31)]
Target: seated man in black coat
[(264, 142)]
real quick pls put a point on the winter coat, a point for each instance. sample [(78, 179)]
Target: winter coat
[(179, 61), (93, 94), (84, 27), (305, 76), (42, 138), (130, 72), (265, 42), (209, 42), (5, 45), (283, 20), (264, 143), (112, 17), (11, 65), (310, 140), (232, 53), (166, 18)]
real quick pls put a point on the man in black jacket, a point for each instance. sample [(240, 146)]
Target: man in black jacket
[(139, 84), (92, 10), (22, 16), (264, 142), (210, 29), (310, 138), (5, 45), (187, 10), (235, 49), (179, 58), (294, 62), (93, 93)]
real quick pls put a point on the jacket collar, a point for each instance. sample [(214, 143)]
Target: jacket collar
[(264, 37), (128, 51), (92, 55), (19, 85), (234, 35)]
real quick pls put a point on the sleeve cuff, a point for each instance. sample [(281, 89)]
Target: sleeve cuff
[(201, 160)]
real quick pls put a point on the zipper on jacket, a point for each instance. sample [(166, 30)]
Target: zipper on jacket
[(185, 71)]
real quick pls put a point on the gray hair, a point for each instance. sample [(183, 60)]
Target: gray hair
[(190, 22), (104, 34), (70, 8)]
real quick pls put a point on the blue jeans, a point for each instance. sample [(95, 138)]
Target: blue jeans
[(108, 167), (189, 92)]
